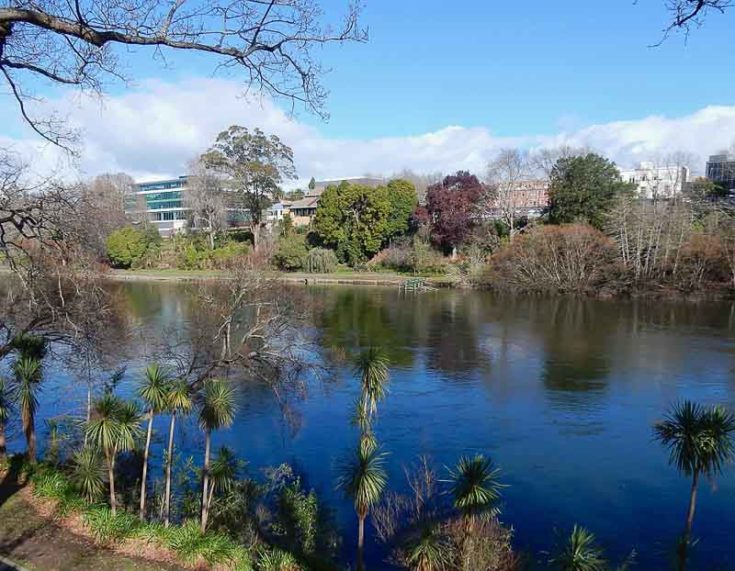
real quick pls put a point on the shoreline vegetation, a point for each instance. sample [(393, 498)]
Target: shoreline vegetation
[(388, 279), (392, 280), (596, 236)]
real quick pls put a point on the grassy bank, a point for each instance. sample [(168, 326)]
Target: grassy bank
[(36, 541), (337, 278), (44, 524)]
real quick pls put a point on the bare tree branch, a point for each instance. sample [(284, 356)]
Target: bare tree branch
[(73, 43), (688, 13)]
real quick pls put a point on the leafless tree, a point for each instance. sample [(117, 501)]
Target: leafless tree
[(79, 44), (505, 173), (420, 181), (650, 235), (55, 282), (205, 198), (101, 209), (542, 161)]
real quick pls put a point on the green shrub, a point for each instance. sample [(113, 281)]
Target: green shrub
[(290, 253), (320, 261), (191, 545), (225, 254), (298, 517), (417, 258), (52, 484), (108, 528), (154, 532), (88, 475), (277, 560), (192, 253), (128, 247), (48, 483)]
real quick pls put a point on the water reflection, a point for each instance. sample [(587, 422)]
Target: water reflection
[(560, 392)]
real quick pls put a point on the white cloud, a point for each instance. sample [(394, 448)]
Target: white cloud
[(155, 130)]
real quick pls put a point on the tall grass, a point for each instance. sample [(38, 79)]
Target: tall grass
[(51, 484), (186, 540), (108, 528)]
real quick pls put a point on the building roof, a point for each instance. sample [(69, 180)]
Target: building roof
[(320, 185), (306, 202)]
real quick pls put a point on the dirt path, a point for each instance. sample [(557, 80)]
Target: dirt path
[(36, 543)]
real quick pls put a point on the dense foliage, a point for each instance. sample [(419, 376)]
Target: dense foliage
[(255, 165), (128, 247), (452, 207), (357, 221), (583, 189), (320, 261), (291, 252)]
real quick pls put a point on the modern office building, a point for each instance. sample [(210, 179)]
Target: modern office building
[(161, 203), (657, 182), (720, 169)]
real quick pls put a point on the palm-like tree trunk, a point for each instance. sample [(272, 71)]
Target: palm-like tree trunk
[(3, 451), (111, 475), (29, 429), (690, 520), (361, 540), (169, 462), (145, 465), (205, 480)]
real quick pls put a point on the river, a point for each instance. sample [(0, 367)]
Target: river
[(561, 393)]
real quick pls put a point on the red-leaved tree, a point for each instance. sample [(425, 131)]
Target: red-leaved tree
[(452, 206)]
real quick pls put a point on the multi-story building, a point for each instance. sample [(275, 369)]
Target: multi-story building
[(657, 182), (161, 203), (524, 198), (720, 169)]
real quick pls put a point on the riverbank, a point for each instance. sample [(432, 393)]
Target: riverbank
[(34, 540), (391, 279)]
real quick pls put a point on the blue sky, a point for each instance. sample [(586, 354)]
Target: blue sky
[(518, 67), (501, 72), (523, 66)]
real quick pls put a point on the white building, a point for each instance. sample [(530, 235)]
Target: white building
[(656, 182), (161, 202), (277, 211)]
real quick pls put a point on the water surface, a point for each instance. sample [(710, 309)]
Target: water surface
[(561, 393)]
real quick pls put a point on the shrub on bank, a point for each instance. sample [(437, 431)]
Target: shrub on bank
[(320, 261), (129, 247), (417, 257), (573, 258), (290, 253), (194, 254), (186, 540)]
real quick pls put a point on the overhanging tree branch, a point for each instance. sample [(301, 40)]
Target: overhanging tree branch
[(74, 43)]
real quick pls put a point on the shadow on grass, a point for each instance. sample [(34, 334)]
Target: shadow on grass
[(12, 481)]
